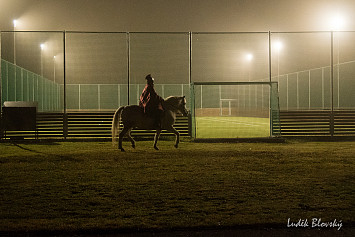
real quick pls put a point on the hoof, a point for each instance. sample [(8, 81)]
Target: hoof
[(122, 149), (133, 146), (156, 148), (176, 145)]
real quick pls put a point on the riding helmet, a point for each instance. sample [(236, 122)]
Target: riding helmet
[(149, 78)]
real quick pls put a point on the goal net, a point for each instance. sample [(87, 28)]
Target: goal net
[(234, 109)]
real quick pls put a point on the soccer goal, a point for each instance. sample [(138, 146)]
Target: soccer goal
[(234, 109)]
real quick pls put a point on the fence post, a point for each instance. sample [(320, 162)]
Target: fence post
[(190, 57), (99, 96), (192, 106), (331, 121), (65, 116), (270, 66), (331, 127), (270, 85), (0, 82), (128, 64)]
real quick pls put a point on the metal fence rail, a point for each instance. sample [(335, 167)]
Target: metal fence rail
[(85, 125), (344, 122), (317, 123)]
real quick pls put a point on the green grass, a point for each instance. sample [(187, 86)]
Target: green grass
[(232, 127), (91, 185)]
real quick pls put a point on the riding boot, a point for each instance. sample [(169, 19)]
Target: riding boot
[(158, 124), (158, 119)]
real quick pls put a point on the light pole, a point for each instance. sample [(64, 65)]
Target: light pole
[(338, 69), (55, 102), (54, 69), (278, 46), (42, 48), (15, 24), (249, 57), (337, 23)]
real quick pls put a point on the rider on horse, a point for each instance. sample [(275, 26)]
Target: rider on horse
[(151, 102)]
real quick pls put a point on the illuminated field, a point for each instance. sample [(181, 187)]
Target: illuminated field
[(91, 188), (232, 127)]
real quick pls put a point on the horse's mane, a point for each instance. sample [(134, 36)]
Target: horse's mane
[(171, 98)]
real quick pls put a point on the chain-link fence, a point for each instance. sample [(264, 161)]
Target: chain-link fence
[(101, 71), (88, 71)]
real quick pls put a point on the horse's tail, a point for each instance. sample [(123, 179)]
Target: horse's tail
[(116, 124)]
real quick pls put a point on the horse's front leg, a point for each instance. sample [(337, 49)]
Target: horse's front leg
[(156, 138), (177, 135)]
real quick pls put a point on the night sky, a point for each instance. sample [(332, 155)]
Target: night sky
[(175, 15)]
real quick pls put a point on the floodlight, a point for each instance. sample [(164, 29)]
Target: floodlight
[(278, 45), (249, 57), (42, 46), (337, 22), (15, 23)]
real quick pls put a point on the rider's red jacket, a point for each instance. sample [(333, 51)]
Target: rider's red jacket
[(150, 101)]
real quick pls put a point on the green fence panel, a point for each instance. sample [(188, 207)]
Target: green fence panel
[(123, 95), (25, 91), (89, 99), (4, 81), (305, 92), (19, 84), (40, 90), (347, 86), (11, 83), (30, 83), (134, 93), (46, 95), (72, 93), (173, 90), (275, 128), (109, 97), (35, 87), (158, 88)]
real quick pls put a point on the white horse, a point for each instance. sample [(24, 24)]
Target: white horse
[(132, 116)]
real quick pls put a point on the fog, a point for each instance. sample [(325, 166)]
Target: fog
[(175, 15)]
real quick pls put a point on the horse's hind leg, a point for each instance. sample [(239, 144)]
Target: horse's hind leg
[(131, 139), (156, 138), (120, 137), (177, 135)]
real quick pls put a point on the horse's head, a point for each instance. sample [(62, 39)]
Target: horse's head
[(178, 103), (182, 106)]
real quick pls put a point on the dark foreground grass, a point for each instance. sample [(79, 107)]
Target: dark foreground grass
[(75, 186)]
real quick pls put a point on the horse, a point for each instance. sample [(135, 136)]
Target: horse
[(132, 116)]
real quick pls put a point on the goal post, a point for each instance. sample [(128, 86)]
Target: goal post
[(234, 109)]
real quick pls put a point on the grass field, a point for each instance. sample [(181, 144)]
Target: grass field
[(75, 186), (232, 127)]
